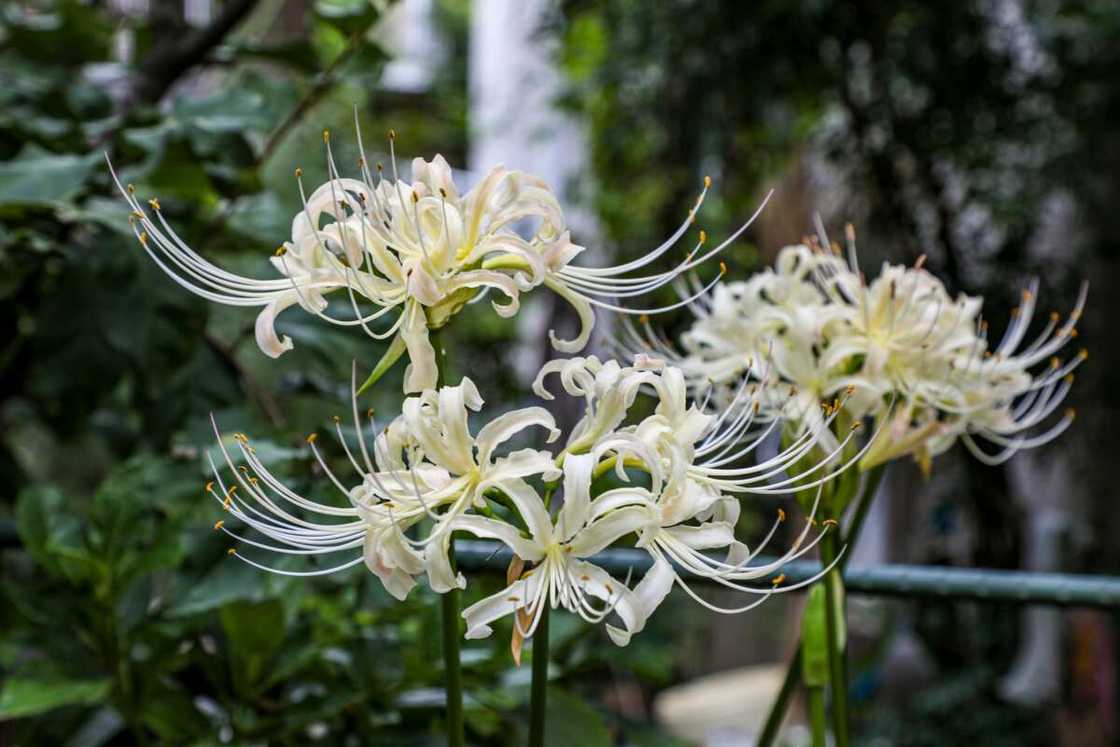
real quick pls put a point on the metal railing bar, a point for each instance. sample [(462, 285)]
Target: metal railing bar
[(911, 581)]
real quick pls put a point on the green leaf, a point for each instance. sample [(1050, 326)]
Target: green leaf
[(255, 631), (814, 639), (569, 720), (28, 697), (392, 354), (348, 16), (37, 178)]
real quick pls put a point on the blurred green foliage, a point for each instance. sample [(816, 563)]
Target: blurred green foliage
[(124, 622), (123, 619)]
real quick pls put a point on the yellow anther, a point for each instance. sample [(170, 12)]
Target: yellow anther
[(326, 136), (154, 202), (218, 525), (143, 238), (1055, 316), (311, 438), (1054, 362), (777, 581), (1015, 313), (136, 215), (1073, 333), (361, 162), (856, 426), (707, 182), (210, 487), (1069, 379), (703, 236), (392, 134), (231, 551), (244, 469), (227, 503), (1082, 353), (231, 491), (1026, 295), (380, 167), (336, 418), (369, 413), (281, 251), (131, 189), (722, 268), (830, 522), (781, 515), (1071, 413), (299, 172), (643, 319)]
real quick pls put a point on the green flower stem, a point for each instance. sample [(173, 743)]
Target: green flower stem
[(452, 669), (538, 696), (538, 692), (793, 671), (450, 604), (833, 584), (816, 715)]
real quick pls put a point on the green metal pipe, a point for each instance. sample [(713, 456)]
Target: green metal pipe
[(982, 585)]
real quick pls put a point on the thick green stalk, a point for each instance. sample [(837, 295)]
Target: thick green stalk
[(452, 670), (835, 625), (450, 604), (538, 697), (816, 715), (793, 671)]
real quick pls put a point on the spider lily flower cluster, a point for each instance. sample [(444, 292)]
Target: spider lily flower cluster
[(915, 358), (408, 256), (668, 483)]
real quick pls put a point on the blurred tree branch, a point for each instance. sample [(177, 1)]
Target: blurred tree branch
[(175, 54)]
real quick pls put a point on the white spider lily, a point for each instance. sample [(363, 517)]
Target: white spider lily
[(425, 465), (561, 575), (900, 349), (419, 250)]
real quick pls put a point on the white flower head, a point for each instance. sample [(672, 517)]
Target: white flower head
[(813, 331), (406, 256)]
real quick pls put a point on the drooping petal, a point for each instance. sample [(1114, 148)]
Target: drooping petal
[(506, 425), (649, 594), (421, 373)]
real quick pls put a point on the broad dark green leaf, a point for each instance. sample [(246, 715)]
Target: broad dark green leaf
[(21, 697), (37, 178)]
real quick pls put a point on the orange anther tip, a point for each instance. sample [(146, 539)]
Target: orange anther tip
[(781, 515), (218, 525), (779, 579)]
